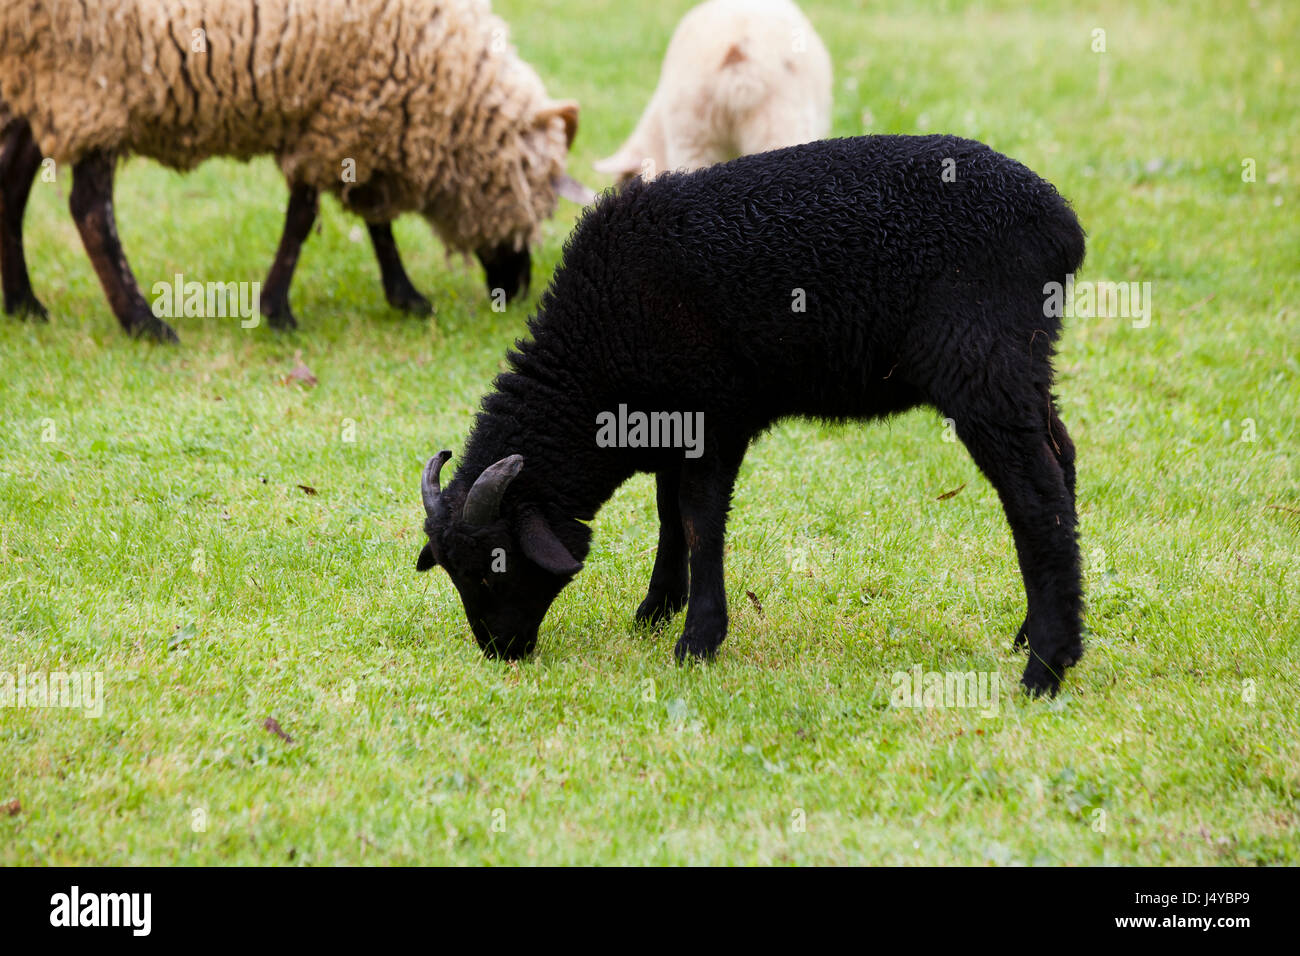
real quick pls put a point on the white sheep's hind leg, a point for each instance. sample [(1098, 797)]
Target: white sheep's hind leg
[(398, 290), (692, 141), (689, 156), (91, 203), (20, 158), (776, 125), (304, 200)]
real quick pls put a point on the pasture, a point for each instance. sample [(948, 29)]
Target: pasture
[(226, 541)]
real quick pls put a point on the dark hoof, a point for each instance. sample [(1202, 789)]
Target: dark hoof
[(697, 645), (410, 301), (279, 317), (1042, 677), (658, 608), (151, 327), (28, 309), (1038, 680)]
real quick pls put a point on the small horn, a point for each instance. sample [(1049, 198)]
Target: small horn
[(483, 503), (430, 489), (566, 187)]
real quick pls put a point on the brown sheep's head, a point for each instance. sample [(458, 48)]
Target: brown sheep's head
[(536, 182)]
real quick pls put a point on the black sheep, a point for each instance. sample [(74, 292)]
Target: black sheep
[(844, 279)]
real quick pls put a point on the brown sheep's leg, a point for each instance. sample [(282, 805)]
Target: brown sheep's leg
[(91, 203), (19, 160), (304, 201), (670, 578), (398, 290)]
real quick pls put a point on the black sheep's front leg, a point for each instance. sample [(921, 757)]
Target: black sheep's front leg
[(91, 203), (398, 290), (304, 201), (704, 499), (671, 577), (20, 158)]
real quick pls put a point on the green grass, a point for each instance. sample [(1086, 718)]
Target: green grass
[(162, 538)]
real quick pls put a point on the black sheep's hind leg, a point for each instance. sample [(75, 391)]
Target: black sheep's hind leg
[(1015, 451), (398, 290), (1063, 448), (705, 498), (91, 203), (20, 158), (670, 579), (304, 201)]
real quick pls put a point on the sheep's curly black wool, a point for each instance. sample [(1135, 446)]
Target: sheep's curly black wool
[(920, 265)]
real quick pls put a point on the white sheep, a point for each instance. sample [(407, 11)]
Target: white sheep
[(392, 105), (740, 76)]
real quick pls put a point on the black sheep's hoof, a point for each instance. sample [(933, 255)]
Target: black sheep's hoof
[(1038, 680), (149, 326), (28, 308), (1044, 677), (698, 644), (409, 301), (278, 316), (658, 608)]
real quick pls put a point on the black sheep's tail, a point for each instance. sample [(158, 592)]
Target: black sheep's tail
[(1070, 240), (1062, 244)]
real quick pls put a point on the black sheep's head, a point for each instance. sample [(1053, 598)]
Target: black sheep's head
[(508, 563)]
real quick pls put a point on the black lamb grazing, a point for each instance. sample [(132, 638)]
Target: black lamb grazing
[(844, 279)]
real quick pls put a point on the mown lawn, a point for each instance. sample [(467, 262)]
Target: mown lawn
[(154, 528)]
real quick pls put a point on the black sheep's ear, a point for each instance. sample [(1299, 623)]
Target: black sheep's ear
[(426, 560), (543, 548)]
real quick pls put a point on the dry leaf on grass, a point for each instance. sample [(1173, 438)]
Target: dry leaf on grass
[(300, 373), (273, 726)]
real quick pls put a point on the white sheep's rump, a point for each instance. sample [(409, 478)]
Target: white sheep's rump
[(739, 77), (424, 103)]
